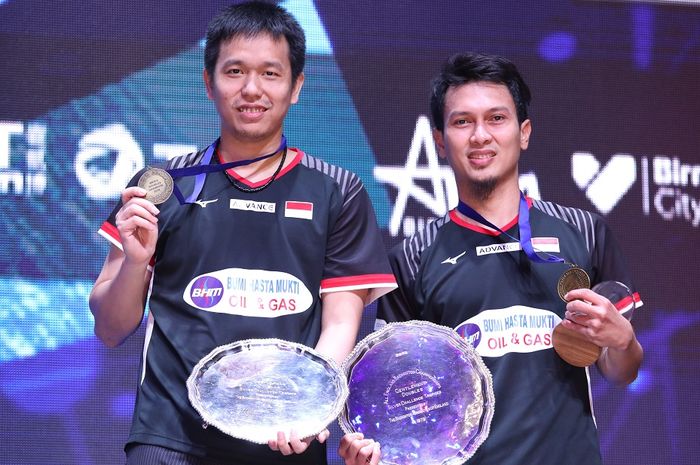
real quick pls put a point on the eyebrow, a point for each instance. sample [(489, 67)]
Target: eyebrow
[(266, 64), (490, 110)]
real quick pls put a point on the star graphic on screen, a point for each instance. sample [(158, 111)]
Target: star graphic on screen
[(403, 178), (440, 178)]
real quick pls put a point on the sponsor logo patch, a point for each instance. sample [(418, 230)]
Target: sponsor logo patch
[(204, 203), (520, 329), (249, 205), (255, 293), (471, 333), (540, 244), (206, 291), (453, 260), (497, 248)]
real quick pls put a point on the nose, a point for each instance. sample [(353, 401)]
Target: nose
[(251, 87), (481, 134)]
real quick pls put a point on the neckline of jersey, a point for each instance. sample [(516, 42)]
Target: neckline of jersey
[(455, 218), (295, 161)]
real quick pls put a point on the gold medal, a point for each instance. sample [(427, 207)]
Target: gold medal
[(158, 184), (573, 278)]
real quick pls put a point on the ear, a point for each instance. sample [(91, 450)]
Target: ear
[(208, 84), (297, 88), (525, 131), (439, 142)]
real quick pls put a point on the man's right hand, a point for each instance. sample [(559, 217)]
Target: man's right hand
[(356, 450), (137, 223)]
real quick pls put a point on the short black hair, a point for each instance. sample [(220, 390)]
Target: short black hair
[(463, 68), (251, 19)]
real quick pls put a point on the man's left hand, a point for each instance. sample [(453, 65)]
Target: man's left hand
[(595, 317), (295, 445)]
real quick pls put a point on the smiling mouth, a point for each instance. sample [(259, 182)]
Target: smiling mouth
[(481, 155), (251, 110)]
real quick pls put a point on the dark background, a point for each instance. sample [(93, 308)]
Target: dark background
[(616, 80)]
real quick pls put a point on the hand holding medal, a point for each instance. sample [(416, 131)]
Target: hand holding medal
[(573, 346)]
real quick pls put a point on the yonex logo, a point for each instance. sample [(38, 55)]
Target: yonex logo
[(206, 291), (604, 186)]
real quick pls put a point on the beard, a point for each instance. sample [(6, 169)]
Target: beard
[(483, 189)]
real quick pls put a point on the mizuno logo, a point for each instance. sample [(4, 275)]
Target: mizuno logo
[(453, 260), (204, 203), (604, 186)]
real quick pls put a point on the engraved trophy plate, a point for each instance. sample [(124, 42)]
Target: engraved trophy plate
[(158, 183), (254, 388), (421, 391)]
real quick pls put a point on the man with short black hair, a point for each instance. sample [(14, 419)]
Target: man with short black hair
[(254, 210), (491, 269)]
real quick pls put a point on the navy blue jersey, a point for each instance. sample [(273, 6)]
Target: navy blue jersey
[(480, 282), (236, 265)]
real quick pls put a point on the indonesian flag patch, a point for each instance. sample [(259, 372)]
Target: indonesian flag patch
[(301, 210), (546, 244)]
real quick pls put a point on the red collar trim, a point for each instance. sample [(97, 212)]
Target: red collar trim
[(295, 161), (455, 218)]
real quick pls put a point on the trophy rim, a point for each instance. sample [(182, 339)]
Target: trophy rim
[(309, 353), (456, 341)]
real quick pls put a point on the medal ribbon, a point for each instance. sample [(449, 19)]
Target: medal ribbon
[(523, 227), (204, 167)]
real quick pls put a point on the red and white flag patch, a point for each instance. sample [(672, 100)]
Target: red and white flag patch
[(546, 244), (302, 210)]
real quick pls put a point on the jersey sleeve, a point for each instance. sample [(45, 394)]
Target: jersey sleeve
[(108, 229), (355, 254), (609, 265), (400, 304)]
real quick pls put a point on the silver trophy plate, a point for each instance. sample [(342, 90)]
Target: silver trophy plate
[(421, 391), (254, 388)]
